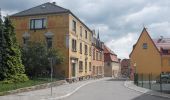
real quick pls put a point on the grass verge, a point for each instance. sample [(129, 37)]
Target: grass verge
[(13, 86)]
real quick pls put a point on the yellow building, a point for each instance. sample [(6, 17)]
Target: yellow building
[(60, 29), (150, 56)]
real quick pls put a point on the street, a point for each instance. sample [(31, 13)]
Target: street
[(111, 89)]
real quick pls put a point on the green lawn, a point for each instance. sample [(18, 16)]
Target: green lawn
[(13, 86)]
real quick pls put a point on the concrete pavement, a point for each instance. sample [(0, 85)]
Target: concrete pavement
[(59, 92), (101, 89), (130, 85), (111, 89)]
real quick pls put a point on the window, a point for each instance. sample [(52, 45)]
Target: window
[(89, 51), (38, 23), (97, 55), (81, 31), (49, 42), (108, 64), (81, 48), (90, 37), (100, 55), (145, 46), (165, 51), (85, 34), (93, 54), (89, 66), (74, 26), (74, 45), (85, 66), (86, 50), (80, 66)]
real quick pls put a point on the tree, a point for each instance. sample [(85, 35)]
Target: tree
[(1, 50), (12, 68), (35, 58)]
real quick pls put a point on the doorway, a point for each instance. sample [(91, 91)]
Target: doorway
[(73, 69)]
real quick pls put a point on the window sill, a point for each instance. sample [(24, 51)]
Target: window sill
[(38, 29)]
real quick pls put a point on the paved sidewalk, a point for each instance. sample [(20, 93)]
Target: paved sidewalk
[(59, 92), (130, 85)]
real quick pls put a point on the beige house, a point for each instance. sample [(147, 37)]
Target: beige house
[(111, 63), (60, 29)]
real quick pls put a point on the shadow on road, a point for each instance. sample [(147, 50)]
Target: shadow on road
[(117, 79), (149, 97)]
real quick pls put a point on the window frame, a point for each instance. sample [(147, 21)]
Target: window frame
[(81, 31), (86, 49), (74, 25), (86, 35), (80, 66), (145, 46), (74, 45), (33, 22), (81, 48)]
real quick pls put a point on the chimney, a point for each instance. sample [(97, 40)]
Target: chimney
[(160, 39), (54, 3)]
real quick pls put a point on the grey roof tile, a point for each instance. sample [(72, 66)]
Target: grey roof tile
[(46, 8)]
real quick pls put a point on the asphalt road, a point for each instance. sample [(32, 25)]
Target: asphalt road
[(112, 89)]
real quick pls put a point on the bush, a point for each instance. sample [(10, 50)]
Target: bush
[(35, 59), (16, 79)]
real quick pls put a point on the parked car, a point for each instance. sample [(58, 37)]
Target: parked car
[(165, 78)]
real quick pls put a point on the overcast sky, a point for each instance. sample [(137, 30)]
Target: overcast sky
[(120, 22)]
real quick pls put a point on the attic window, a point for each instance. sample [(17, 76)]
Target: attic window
[(145, 45)]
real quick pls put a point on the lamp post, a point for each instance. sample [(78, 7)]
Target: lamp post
[(51, 66)]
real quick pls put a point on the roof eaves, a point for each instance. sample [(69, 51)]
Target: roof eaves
[(80, 21)]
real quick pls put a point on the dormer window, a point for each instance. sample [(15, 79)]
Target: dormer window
[(145, 45), (38, 23)]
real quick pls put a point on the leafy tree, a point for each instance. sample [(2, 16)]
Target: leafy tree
[(12, 69), (35, 58), (1, 50)]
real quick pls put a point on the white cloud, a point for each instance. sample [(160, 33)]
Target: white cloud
[(114, 18), (147, 13), (123, 45)]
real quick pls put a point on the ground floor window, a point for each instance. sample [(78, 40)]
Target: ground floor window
[(80, 66)]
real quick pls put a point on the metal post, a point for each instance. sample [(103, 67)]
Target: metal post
[(51, 60), (142, 79), (160, 83), (149, 81)]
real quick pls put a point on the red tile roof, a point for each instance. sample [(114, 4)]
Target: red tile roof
[(125, 63), (109, 55), (162, 43)]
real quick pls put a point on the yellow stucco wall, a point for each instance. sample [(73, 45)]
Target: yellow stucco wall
[(58, 24), (146, 60), (166, 63), (83, 40), (61, 26)]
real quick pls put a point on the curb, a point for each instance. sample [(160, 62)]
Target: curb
[(35, 87), (145, 91), (75, 90)]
